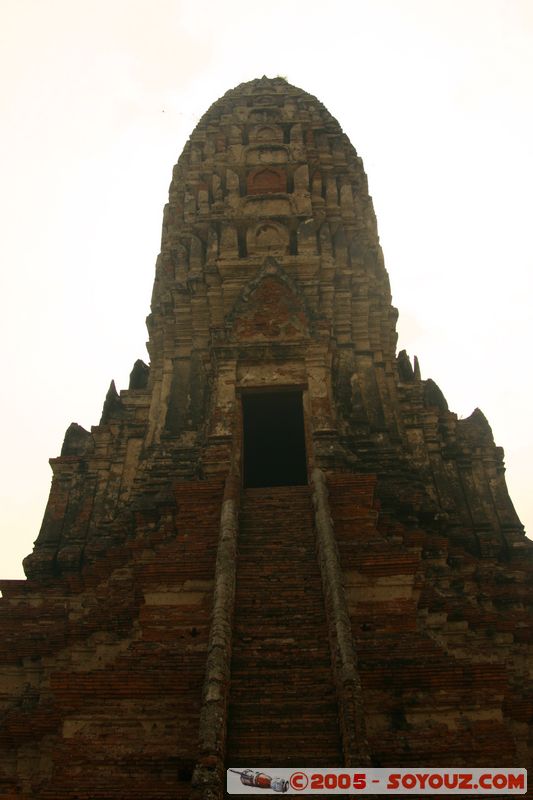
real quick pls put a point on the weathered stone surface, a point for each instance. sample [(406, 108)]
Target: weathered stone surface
[(139, 375), (101, 673), (400, 632)]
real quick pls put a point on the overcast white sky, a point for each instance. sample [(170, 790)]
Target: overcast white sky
[(97, 100)]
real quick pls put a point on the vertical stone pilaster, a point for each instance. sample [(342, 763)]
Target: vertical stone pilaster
[(343, 657), (208, 778)]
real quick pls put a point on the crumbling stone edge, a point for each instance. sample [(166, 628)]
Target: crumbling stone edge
[(343, 655), (208, 780)]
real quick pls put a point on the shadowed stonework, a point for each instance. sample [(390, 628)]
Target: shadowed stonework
[(370, 606)]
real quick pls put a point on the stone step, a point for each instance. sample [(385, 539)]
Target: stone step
[(282, 698)]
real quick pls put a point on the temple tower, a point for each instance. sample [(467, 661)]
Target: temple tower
[(279, 546)]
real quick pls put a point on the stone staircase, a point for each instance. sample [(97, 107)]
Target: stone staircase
[(283, 709)]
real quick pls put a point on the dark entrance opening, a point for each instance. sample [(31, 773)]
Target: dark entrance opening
[(274, 440)]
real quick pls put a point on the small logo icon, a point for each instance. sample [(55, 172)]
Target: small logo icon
[(252, 777)]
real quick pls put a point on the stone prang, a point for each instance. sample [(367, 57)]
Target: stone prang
[(279, 547)]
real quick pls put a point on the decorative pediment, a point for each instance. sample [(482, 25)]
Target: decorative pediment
[(270, 308)]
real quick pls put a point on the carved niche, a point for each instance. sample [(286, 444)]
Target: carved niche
[(266, 180), (268, 238)]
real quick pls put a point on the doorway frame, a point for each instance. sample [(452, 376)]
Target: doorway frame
[(276, 388)]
